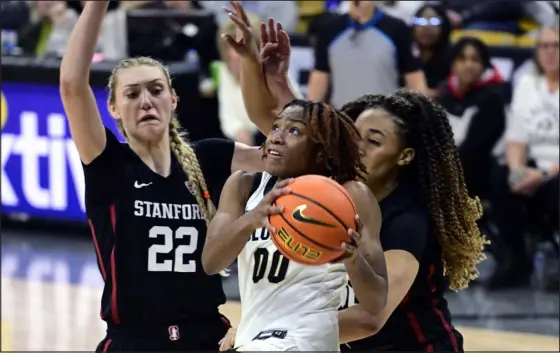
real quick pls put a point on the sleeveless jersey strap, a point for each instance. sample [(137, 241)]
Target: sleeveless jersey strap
[(256, 183)]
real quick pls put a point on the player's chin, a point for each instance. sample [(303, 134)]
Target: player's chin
[(150, 132), (275, 167)]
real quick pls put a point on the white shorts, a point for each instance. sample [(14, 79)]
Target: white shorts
[(268, 345)]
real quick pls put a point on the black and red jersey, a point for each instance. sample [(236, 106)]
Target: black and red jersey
[(149, 232), (422, 321)]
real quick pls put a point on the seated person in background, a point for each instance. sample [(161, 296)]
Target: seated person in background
[(490, 15), (529, 180), (49, 28), (472, 97), (431, 30), (234, 120)]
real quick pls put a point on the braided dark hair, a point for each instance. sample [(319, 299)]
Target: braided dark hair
[(337, 137), (424, 126)]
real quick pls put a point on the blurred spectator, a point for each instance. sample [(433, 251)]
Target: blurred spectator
[(234, 121), (493, 15), (473, 99), (529, 180), (14, 14), (173, 39), (431, 30), (404, 10), (545, 13), (364, 51), (285, 12), (49, 27)]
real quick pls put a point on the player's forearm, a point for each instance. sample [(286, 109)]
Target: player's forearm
[(76, 63), (355, 323), (260, 103), (285, 92), (369, 281), (516, 155), (224, 243)]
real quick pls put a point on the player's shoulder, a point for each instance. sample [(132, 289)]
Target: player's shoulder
[(244, 182), (213, 149), (364, 199), (210, 144), (359, 190)]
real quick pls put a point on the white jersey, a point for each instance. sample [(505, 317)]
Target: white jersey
[(285, 305)]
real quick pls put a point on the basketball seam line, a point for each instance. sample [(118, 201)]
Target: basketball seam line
[(310, 239), (343, 190)]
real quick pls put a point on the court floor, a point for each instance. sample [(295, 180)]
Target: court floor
[(51, 288)]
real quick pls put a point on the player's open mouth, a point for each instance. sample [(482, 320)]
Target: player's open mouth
[(273, 154), (148, 118)]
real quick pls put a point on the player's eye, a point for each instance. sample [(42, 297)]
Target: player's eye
[(295, 131), (156, 91), (275, 127), (374, 142), (131, 95)]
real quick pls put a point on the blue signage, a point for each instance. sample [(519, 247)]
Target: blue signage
[(42, 174)]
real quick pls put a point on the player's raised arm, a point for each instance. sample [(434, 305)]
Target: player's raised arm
[(367, 269), (231, 227), (263, 76), (79, 102)]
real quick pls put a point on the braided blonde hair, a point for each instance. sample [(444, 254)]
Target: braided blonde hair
[(179, 144), (189, 162)]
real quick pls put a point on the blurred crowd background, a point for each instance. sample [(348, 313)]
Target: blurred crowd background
[(493, 65)]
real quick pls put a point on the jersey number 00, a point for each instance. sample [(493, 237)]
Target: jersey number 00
[(278, 266), (178, 263)]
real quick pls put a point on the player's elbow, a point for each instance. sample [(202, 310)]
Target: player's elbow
[(209, 265), (375, 305), (369, 324), (70, 86)]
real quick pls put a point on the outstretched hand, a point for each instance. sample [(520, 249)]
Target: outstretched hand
[(275, 51), (244, 43)]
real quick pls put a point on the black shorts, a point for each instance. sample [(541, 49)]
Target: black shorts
[(184, 338)]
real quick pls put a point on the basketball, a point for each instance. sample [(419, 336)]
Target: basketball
[(317, 215)]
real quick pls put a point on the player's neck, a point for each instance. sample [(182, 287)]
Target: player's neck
[(157, 156)]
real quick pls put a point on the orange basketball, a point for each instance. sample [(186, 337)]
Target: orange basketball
[(316, 218)]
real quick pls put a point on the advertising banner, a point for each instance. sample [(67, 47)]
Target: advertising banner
[(42, 174)]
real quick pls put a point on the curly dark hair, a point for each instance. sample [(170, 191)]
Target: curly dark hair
[(337, 137), (424, 126)]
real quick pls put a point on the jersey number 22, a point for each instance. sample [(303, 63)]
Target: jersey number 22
[(178, 264)]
